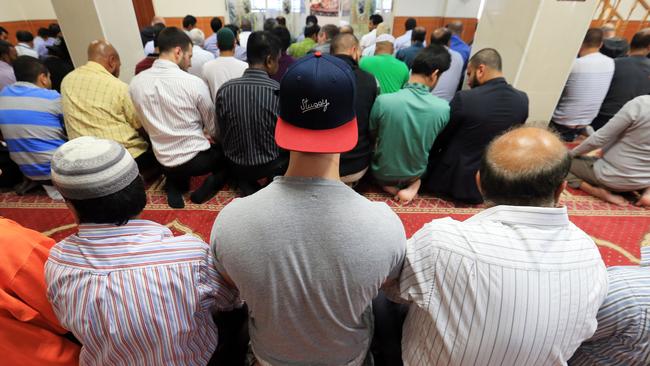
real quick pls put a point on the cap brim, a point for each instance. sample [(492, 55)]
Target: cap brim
[(337, 140)]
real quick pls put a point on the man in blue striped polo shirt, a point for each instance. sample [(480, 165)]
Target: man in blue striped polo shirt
[(31, 119)]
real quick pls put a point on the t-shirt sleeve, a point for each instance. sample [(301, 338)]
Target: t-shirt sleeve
[(225, 294)]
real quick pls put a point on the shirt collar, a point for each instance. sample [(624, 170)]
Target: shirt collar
[(417, 87), (26, 84), (97, 67), (524, 215), (133, 227), (256, 73), (500, 80), (645, 256), (349, 60), (165, 64)]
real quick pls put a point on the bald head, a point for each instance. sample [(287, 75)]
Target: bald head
[(157, 19), (456, 27), (103, 53), (347, 29), (384, 48), (524, 167), (441, 36), (344, 44)]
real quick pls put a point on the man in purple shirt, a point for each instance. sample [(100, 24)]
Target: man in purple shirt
[(285, 60), (7, 57)]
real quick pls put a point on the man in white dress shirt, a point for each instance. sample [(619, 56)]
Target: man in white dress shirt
[(517, 284), (178, 114), (199, 56), (25, 46), (404, 40), (370, 38), (226, 66), (449, 82), (586, 88)]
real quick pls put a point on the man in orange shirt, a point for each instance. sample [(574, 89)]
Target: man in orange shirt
[(30, 334)]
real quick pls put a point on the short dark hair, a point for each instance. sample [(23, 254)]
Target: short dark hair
[(261, 45), (376, 19), (24, 36), (593, 38), (28, 68), (330, 30), (281, 20), (116, 209), (54, 29), (269, 24), (532, 187), (418, 34), (432, 58), (246, 25), (443, 37), (5, 48), (410, 24), (3, 30), (172, 37), (234, 28), (283, 35), (311, 30), (311, 19), (640, 40), (157, 28), (43, 32), (189, 20), (488, 57), (216, 24)]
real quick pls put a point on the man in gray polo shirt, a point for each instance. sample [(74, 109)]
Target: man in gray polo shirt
[(307, 253)]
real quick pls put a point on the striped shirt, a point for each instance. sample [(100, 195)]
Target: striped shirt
[(585, 90), (247, 112), (31, 122), (623, 334), (176, 111), (137, 295), (509, 286)]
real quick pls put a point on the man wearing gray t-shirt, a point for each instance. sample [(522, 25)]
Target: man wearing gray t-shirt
[(307, 253)]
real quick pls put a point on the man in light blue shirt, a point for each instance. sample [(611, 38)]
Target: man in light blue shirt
[(449, 81), (210, 43)]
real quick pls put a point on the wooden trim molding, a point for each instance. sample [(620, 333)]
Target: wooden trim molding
[(432, 23)]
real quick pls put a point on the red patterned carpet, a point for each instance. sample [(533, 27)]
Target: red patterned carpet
[(618, 231)]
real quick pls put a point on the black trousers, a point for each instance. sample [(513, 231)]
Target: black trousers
[(246, 177), (11, 174), (148, 165), (208, 161), (387, 341)]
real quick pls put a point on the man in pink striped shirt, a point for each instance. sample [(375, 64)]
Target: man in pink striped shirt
[(131, 292)]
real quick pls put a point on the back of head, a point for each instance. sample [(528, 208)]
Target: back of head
[(419, 34), (54, 29), (226, 39), (100, 179), (593, 38), (43, 32), (269, 24), (261, 46), (330, 31), (311, 19), (283, 36), (410, 24), (383, 28), (488, 57), (524, 167), (281, 20), (311, 30), (189, 21), (385, 44), (3, 30), (172, 37), (343, 44), (441, 36), (197, 37), (246, 25), (376, 19), (157, 28), (216, 24), (28, 69), (432, 58), (347, 29), (24, 36), (5, 48), (157, 19), (455, 27), (234, 28), (641, 40)]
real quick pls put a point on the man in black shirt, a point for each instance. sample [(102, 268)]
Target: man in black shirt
[(354, 164), (631, 79)]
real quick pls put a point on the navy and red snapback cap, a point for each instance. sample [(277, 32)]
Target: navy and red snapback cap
[(317, 112)]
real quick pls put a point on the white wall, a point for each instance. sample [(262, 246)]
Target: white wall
[(14, 10), (420, 8), (462, 8), (180, 8)]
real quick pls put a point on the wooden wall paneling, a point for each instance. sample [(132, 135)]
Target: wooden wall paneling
[(630, 29), (28, 25), (469, 27), (203, 23), (144, 12), (431, 23)]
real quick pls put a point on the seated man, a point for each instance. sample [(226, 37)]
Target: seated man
[(31, 335), (449, 81), (623, 333), (299, 49), (226, 66), (631, 79), (407, 55), (391, 73), (150, 46), (7, 57), (404, 40), (625, 165), (325, 37), (285, 60), (152, 56), (354, 164), (517, 284), (406, 124), (477, 116), (309, 297), (97, 103), (199, 56), (31, 119), (130, 292), (247, 112), (211, 45), (178, 114), (585, 89), (25, 46)]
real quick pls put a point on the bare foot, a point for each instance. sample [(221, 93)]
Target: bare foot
[(390, 190), (644, 201), (407, 194), (603, 194)]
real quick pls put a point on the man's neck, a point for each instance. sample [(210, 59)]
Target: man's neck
[(230, 53), (258, 68), (166, 57), (640, 52), (418, 79), (306, 165), (588, 51)]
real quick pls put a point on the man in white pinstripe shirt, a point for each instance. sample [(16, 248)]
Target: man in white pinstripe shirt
[(517, 284)]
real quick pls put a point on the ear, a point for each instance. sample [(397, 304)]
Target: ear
[(478, 182), (558, 192), (435, 75)]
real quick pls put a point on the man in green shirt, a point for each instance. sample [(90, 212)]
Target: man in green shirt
[(299, 49), (391, 73), (407, 123)]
